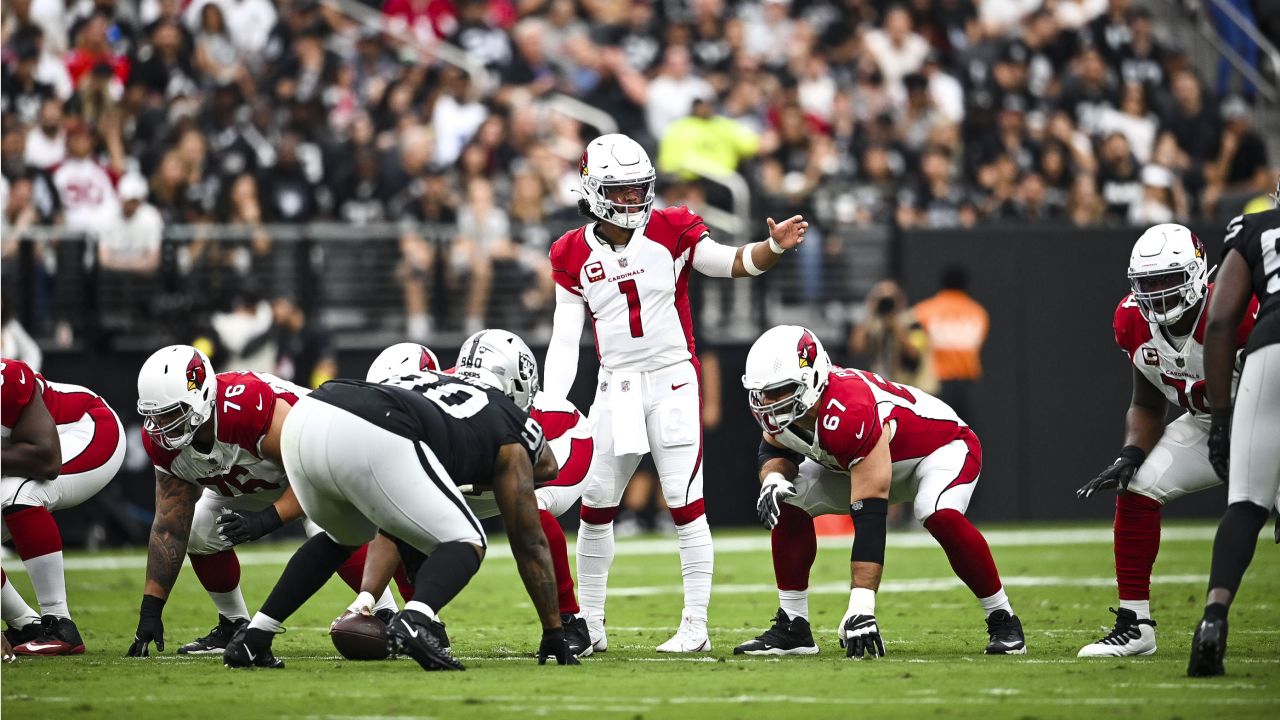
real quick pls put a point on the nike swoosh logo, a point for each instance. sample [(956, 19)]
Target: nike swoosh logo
[(860, 430), (409, 629), (259, 402), (677, 387), (37, 647), (1008, 644), (249, 652)]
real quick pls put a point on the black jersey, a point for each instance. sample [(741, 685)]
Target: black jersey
[(464, 424), (1257, 238)]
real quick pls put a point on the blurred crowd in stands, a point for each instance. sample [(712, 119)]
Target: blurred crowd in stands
[(122, 118)]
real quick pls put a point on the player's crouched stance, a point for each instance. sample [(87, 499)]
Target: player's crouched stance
[(367, 458), (869, 443)]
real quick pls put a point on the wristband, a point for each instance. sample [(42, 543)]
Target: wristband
[(862, 601), (152, 606), (1134, 453), (869, 529), (775, 247), (749, 262), (271, 519)]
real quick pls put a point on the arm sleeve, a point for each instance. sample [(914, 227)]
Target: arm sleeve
[(561, 365), (713, 259)]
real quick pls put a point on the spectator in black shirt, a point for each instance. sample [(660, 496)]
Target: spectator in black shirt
[(1143, 60), (22, 92), (163, 65), (530, 68), (1241, 165), (360, 200), (479, 36), (1110, 31), (936, 201), (1089, 91), (1119, 177), (305, 352), (289, 195)]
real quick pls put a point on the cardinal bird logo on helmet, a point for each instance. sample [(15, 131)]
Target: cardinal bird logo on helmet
[(582, 165), (807, 350), (426, 362), (1198, 244), (195, 373)]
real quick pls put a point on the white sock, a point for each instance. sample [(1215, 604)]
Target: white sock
[(999, 601), (595, 556), (385, 602), (697, 560), (423, 608), (795, 603), (418, 327), (362, 601), (265, 622), (50, 583), (1141, 607), (231, 604), (13, 609)]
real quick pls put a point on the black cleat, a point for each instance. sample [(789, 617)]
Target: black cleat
[(26, 633), (385, 615), (786, 637), (577, 635), (57, 636), (1208, 646), (216, 641), (1005, 632), (414, 634), (251, 648)]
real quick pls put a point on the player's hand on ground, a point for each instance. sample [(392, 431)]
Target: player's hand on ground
[(242, 526), (1117, 475), (790, 232), (150, 628), (555, 645), (1220, 443), (860, 636), (772, 494)]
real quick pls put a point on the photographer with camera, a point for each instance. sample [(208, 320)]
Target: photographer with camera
[(892, 342)]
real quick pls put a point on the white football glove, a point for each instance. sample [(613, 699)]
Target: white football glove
[(773, 492)]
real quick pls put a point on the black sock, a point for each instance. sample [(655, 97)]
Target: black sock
[(444, 573), (1215, 611), (1234, 544), (308, 570)]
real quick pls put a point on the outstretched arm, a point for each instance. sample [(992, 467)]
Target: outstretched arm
[(716, 260)]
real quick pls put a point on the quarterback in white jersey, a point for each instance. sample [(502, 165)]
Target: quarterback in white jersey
[(1160, 327), (630, 268)]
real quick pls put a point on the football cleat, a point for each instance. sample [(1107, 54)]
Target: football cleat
[(17, 636), (691, 637), (1005, 632), (1208, 646), (216, 641), (595, 630), (412, 633), (385, 615), (1131, 636), (250, 648), (577, 634), (786, 637), (58, 636)]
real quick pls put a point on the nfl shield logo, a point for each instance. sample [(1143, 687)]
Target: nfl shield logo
[(622, 262), (626, 386)]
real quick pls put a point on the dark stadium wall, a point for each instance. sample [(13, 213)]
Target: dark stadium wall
[(1049, 408)]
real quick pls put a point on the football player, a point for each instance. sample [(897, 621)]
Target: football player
[(1160, 328), (629, 266), (390, 458), (215, 444), (61, 445), (1242, 442), (868, 443), (500, 360)]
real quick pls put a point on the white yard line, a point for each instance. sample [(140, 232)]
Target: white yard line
[(728, 545)]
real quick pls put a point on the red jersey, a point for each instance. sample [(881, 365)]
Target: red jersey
[(66, 403), (853, 411), (569, 435), (1178, 373), (245, 403)]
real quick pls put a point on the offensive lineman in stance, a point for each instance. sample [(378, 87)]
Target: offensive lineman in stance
[(869, 443), (630, 268)]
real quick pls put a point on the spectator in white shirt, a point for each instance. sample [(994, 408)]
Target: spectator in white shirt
[(672, 92), (46, 144), (88, 198), (249, 22), (897, 49), (132, 243), (456, 115)]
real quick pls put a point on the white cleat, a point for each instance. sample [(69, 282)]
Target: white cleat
[(1128, 638), (690, 638), (595, 628)]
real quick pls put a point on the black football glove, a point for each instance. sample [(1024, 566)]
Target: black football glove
[(1220, 442), (860, 637), (1118, 474), (556, 645), (150, 627), (240, 527)]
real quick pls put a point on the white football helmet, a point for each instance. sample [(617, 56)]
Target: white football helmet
[(502, 361), (177, 389), (785, 358), (400, 359), (614, 166), (1168, 273)]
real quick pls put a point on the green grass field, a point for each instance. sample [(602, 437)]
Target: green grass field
[(1059, 580)]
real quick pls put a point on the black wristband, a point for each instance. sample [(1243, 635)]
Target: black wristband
[(556, 634), (152, 606), (1221, 416), (870, 517), (272, 520), (1134, 453)]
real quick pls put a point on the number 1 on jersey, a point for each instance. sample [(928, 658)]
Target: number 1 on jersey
[(628, 288)]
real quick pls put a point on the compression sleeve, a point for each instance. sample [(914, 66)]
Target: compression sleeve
[(561, 365), (713, 259)]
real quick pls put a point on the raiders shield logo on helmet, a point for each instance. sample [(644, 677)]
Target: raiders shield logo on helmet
[(195, 373)]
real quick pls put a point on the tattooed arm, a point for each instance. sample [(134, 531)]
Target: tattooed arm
[(175, 505)]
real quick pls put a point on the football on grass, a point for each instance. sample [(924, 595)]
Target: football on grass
[(360, 637)]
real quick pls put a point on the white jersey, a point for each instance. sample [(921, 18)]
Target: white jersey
[(88, 197), (1176, 372), (638, 296)]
